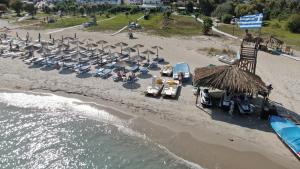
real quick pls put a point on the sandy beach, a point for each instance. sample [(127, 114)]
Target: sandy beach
[(210, 138)]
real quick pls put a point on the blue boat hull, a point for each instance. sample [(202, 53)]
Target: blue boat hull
[(288, 131)]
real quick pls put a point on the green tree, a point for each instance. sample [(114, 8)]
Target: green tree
[(81, 10), (16, 5), (207, 24), (189, 7), (5, 2), (293, 23), (222, 9), (73, 9), (30, 9), (226, 18)]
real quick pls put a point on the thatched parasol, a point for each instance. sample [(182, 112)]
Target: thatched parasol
[(109, 47), (121, 44), (148, 52), (31, 47), (138, 46), (230, 78), (129, 50), (157, 48), (101, 42)]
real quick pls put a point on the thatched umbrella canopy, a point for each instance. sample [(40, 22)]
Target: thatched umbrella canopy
[(31, 47), (109, 47), (121, 44), (148, 52), (230, 78), (102, 42), (138, 46), (157, 48), (129, 50)]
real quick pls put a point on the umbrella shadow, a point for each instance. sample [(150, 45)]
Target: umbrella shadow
[(155, 69), (65, 71), (84, 75), (145, 76), (164, 63), (34, 66), (131, 85), (47, 68)]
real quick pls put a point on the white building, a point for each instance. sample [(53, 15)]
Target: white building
[(134, 2), (114, 2), (152, 3)]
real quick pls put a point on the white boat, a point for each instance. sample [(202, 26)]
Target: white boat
[(155, 88), (167, 70), (170, 88)]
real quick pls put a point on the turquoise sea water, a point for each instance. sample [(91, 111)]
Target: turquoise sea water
[(49, 131)]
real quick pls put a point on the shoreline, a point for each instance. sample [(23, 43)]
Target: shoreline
[(212, 139)]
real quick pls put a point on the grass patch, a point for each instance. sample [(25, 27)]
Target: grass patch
[(178, 25), (67, 22), (274, 27), (116, 23)]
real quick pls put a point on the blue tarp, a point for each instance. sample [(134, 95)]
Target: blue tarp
[(251, 21), (288, 131)]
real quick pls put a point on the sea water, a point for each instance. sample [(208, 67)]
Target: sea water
[(49, 131)]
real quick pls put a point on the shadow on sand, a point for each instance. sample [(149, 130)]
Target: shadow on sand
[(145, 76), (65, 71), (84, 75), (253, 121), (133, 85)]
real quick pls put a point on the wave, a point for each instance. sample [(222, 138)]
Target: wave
[(55, 103)]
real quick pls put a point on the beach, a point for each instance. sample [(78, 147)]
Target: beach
[(209, 138)]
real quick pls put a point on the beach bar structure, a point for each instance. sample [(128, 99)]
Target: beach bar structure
[(230, 78)]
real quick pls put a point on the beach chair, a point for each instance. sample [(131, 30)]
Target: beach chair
[(144, 71), (134, 68), (152, 65)]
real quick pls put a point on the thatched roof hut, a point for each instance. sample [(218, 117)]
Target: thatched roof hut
[(230, 78)]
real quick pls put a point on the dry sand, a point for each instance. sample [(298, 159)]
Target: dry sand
[(210, 138)]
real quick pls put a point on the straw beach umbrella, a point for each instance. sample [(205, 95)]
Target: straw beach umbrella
[(138, 46), (102, 42), (121, 44), (109, 47), (230, 78), (148, 52), (129, 50), (157, 48)]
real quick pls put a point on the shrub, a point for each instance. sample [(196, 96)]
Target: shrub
[(293, 23), (207, 24), (226, 18)]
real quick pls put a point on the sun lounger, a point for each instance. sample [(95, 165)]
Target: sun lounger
[(83, 69), (39, 61), (144, 70), (68, 65), (152, 65), (134, 68), (170, 88), (155, 88), (30, 60), (103, 72)]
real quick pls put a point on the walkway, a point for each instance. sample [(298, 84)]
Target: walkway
[(119, 31)]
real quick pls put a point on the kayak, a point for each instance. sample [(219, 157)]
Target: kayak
[(288, 131)]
